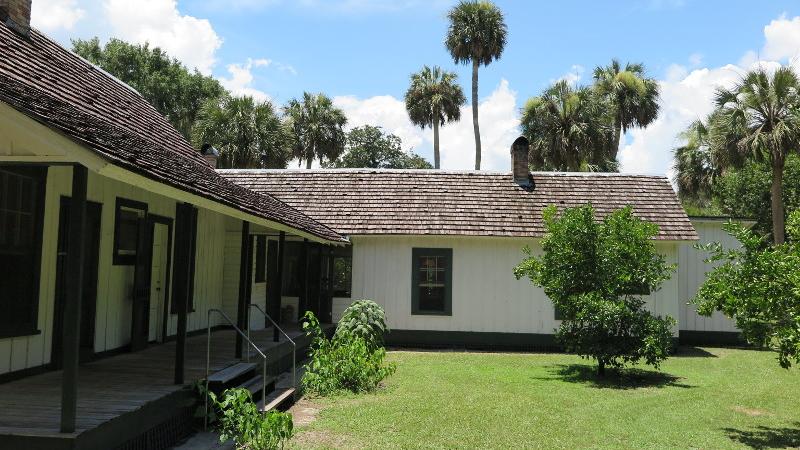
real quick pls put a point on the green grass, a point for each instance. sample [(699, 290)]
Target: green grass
[(702, 398)]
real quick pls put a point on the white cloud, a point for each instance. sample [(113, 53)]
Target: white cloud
[(782, 39), (573, 76), (54, 15), (687, 95), (193, 41), (241, 78), (499, 119)]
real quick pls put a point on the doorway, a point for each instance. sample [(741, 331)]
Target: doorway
[(159, 279), (89, 300)]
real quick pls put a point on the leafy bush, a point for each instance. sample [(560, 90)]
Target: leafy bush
[(343, 363), (365, 319), (248, 427), (758, 285), (595, 273)]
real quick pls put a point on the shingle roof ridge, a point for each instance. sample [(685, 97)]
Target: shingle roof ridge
[(434, 172)]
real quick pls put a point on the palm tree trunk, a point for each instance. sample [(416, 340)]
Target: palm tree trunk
[(435, 143), (777, 202), (310, 157), (475, 115), (617, 137)]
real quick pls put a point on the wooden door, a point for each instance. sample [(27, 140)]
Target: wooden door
[(158, 283), (89, 300), (142, 275)]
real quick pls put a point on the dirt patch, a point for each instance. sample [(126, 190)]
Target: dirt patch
[(304, 412), (752, 412)]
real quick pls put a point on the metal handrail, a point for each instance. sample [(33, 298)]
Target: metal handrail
[(208, 355), (277, 327)]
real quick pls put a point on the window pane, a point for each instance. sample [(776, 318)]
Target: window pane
[(342, 275), (128, 232), (432, 289)]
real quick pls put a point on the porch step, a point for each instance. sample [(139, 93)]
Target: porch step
[(276, 399), (230, 373), (254, 384)]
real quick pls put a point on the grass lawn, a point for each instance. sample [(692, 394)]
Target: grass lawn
[(703, 398)]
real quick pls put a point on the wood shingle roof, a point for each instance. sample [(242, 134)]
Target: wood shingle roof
[(434, 202), (58, 89)]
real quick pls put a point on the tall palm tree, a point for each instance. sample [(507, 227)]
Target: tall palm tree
[(632, 96), (760, 118), (433, 99), (248, 134), (566, 129), (477, 34), (317, 128)]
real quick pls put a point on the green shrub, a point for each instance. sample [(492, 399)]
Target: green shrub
[(343, 363), (248, 427), (595, 273), (365, 319)]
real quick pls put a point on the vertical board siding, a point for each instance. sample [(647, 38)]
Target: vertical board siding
[(113, 312), (486, 295), (693, 269)]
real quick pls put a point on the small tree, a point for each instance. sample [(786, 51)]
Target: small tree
[(758, 285), (595, 273)]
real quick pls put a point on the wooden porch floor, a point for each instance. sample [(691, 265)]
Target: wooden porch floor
[(111, 387)]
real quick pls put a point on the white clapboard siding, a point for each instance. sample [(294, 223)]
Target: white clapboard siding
[(113, 309), (486, 296), (693, 270)]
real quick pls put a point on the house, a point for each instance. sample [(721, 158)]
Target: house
[(130, 268), (120, 249), (436, 248)]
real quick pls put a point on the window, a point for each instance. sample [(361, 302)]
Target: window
[(261, 259), (21, 210), (431, 285), (127, 215), (342, 271)]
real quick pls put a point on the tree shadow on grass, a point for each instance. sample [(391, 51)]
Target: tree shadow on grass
[(614, 379), (693, 352), (763, 437)]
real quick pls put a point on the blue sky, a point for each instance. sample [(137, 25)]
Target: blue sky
[(361, 52)]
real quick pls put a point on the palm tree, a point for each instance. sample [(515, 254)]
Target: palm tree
[(432, 100), (477, 34), (632, 97), (694, 167), (248, 134), (566, 129), (760, 118), (317, 128)]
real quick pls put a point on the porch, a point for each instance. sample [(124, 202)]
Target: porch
[(128, 400)]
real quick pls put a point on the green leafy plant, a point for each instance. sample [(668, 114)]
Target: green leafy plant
[(365, 319), (595, 273), (343, 363), (758, 285), (249, 428)]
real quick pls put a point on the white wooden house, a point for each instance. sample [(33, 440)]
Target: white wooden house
[(121, 247)]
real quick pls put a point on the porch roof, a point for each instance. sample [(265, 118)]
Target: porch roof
[(62, 91)]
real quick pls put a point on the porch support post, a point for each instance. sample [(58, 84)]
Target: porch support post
[(72, 305), (303, 302), (279, 284), (244, 289), (184, 218)]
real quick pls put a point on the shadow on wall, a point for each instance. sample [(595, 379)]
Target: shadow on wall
[(767, 437), (614, 379)]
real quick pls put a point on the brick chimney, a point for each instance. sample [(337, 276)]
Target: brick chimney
[(210, 154), (519, 162), (16, 14)]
